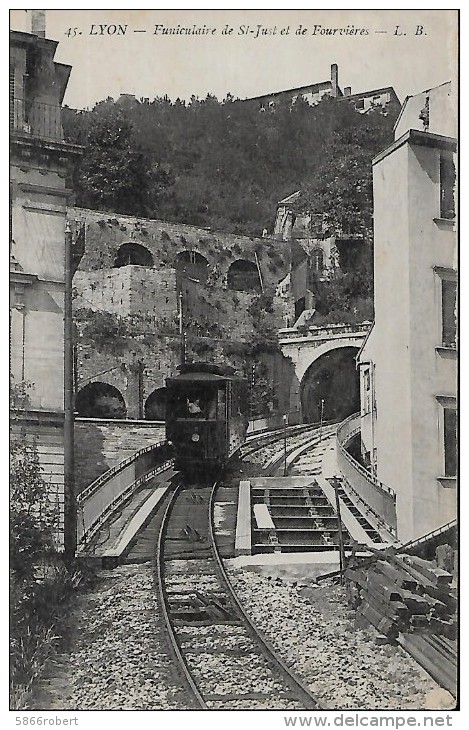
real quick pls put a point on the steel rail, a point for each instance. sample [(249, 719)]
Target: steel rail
[(268, 651), (159, 572)]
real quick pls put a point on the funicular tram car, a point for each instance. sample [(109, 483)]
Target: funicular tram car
[(206, 416)]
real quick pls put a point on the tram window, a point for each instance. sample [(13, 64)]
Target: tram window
[(196, 403), (193, 406), (221, 405)]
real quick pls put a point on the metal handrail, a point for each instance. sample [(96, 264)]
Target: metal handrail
[(103, 478), (353, 462), (424, 538), (36, 118), (89, 533)]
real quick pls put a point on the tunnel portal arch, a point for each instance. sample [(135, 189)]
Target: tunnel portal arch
[(334, 379), (243, 276), (100, 400), (133, 253), (193, 265), (155, 405)]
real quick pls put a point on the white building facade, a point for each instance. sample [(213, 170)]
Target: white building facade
[(408, 364)]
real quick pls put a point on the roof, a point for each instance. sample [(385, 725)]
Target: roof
[(197, 377), (290, 198), (297, 90), (416, 136), (372, 92), (206, 367), (415, 100)]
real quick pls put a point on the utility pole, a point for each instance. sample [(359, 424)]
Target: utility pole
[(141, 369), (70, 516), (321, 419), (251, 383), (285, 421), (341, 537), (182, 336)]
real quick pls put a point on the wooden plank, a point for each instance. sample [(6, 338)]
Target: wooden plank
[(435, 575), (243, 519)]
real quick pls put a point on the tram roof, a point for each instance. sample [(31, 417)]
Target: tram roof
[(202, 377)]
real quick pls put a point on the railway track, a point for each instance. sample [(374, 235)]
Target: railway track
[(270, 457), (224, 661)]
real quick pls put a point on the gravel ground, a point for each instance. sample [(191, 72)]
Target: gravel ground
[(347, 668), (116, 661)]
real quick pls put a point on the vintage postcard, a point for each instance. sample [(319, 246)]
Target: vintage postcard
[(233, 364)]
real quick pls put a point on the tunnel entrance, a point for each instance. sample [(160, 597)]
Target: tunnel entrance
[(100, 400), (193, 265), (133, 253), (243, 276), (155, 405), (334, 379)]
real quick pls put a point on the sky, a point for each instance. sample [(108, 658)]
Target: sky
[(411, 50)]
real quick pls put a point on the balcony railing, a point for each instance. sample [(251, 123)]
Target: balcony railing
[(36, 119), (330, 330)]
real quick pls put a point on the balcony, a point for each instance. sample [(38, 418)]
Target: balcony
[(36, 119)]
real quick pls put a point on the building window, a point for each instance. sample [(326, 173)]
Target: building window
[(367, 390), (317, 260), (450, 426), (12, 96), (448, 297), (447, 182), (448, 429)]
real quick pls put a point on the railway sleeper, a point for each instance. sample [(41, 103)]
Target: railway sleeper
[(203, 619), (232, 696)]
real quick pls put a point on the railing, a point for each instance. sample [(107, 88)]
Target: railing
[(424, 539), (256, 425), (36, 118), (103, 495), (331, 330), (379, 498)]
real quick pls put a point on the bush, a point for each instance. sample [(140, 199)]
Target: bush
[(39, 582)]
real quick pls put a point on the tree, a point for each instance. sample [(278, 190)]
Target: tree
[(224, 164), (113, 174), (340, 194)]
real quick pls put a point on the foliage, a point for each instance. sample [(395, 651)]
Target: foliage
[(39, 583), (33, 516), (113, 174), (224, 165), (263, 400), (340, 194), (264, 333), (347, 298)]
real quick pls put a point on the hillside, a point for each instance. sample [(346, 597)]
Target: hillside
[(224, 165)]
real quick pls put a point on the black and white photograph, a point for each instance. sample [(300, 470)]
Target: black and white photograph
[(234, 367)]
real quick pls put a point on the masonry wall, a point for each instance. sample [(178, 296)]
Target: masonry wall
[(149, 300), (99, 446), (128, 290), (106, 232)]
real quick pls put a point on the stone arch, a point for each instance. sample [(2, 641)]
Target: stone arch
[(333, 378), (133, 253), (100, 400), (243, 276), (193, 265), (155, 405), (317, 259)]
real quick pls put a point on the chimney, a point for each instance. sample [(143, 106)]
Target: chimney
[(335, 79), (347, 91), (38, 23)]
